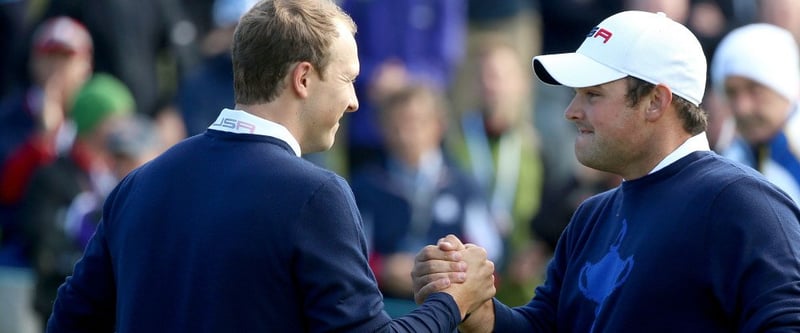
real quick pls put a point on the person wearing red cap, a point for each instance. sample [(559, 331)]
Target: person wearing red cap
[(32, 126), (689, 242), (32, 132)]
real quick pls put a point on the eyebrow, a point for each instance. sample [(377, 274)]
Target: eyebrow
[(590, 88)]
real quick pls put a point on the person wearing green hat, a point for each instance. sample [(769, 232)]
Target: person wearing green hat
[(76, 182), (102, 97)]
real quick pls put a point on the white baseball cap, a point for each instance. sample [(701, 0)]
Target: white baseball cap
[(648, 46), (762, 52)]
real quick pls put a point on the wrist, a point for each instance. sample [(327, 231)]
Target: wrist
[(480, 320)]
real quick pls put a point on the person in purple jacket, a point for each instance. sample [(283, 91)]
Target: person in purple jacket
[(231, 231), (689, 242), (400, 42)]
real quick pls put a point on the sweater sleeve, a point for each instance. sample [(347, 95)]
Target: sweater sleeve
[(754, 245), (540, 314), (338, 288)]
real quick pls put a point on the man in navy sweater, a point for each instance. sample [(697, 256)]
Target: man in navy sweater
[(231, 231), (690, 241)]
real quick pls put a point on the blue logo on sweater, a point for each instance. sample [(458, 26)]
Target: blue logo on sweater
[(599, 280)]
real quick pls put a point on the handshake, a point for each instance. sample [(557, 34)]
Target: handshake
[(463, 271)]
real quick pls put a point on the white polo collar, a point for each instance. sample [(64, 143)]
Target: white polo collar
[(698, 142), (241, 122)]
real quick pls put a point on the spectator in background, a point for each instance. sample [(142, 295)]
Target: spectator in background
[(399, 41), (147, 44), (61, 61), (417, 195), (516, 21), (498, 144), (33, 131), (132, 141), (757, 68), (210, 84), (79, 180)]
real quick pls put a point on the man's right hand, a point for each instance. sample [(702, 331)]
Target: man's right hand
[(463, 271), (438, 266)]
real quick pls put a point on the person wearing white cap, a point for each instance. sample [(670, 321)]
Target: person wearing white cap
[(689, 242), (757, 68)]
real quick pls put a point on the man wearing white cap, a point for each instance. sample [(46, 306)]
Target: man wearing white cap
[(758, 69), (689, 242)]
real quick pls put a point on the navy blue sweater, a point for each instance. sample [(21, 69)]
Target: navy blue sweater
[(232, 233), (703, 245)]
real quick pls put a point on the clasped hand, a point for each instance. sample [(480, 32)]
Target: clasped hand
[(463, 271)]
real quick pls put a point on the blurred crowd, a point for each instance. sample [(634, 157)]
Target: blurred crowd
[(453, 134)]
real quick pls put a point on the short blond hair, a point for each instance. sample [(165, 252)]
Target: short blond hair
[(275, 34)]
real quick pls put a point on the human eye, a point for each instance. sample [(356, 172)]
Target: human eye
[(586, 93)]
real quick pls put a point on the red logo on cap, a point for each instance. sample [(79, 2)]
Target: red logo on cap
[(600, 32)]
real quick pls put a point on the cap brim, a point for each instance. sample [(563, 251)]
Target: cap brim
[(573, 70)]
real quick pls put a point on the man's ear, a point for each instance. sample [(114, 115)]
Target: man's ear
[(300, 78), (659, 102)]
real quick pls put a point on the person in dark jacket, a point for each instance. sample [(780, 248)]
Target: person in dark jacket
[(418, 194), (690, 241), (231, 231)]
